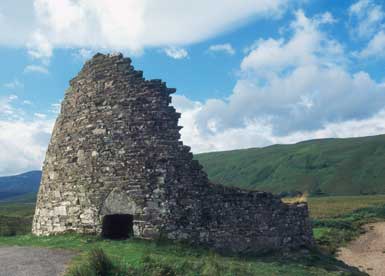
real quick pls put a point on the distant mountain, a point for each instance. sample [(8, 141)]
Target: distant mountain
[(19, 186), (350, 166)]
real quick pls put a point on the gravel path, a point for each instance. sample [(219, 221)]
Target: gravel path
[(368, 251), (30, 261)]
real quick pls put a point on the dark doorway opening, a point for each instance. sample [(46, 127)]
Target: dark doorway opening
[(117, 226)]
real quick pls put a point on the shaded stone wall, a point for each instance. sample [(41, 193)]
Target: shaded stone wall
[(115, 149), (245, 221)]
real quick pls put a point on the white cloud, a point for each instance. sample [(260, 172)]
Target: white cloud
[(368, 22), (15, 84), (17, 22), (39, 47), (260, 133), (6, 108), (23, 145), (288, 90), (306, 99), (176, 53), (23, 142), (36, 69), (375, 47), (325, 18), (83, 54), (13, 97), (226, 48), (366, 18), (40, 115), (308, 46), (124, 24)]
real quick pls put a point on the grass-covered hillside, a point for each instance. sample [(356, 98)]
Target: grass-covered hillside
[(17, 185), (353, 166), (350, 166)]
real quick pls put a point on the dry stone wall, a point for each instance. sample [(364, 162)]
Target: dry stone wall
[(116, 149)]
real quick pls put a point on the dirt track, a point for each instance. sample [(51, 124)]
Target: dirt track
[(29, 261), (368, 251)]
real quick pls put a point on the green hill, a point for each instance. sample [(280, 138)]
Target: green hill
[(17, 186), (350, 166)]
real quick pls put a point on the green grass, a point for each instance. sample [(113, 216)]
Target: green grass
[(354, 166), (327, 207), (336, 221), (334, 232), (24, 198), (339, 219), (16, 215), (138, 255), (16, 218)]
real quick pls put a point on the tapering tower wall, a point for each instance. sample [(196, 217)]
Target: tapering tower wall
[(116, 149)]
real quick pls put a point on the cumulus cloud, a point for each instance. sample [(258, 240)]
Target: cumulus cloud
[(39, 47), (288, 90), (17, 21), (368, 22), (226, 48), (260, 133), (375, 47), (307, 46), (366, 18), (296, 79), (131, 25), (176, 53), (23, 140), (23, 144)]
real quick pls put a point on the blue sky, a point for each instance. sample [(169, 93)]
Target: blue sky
[(248, 73)]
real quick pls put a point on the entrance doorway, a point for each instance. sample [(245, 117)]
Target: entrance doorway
[(117, 226)]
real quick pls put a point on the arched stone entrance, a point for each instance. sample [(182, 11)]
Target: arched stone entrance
[(118, 216)]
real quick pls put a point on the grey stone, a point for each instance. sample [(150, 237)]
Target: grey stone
[(116, 149)]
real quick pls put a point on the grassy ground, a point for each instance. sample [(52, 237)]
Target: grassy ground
[(15, 218), (333, 206), (139, 256), (336, 220), (335, 232)]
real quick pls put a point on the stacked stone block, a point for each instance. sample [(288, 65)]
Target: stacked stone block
[(116, 149)]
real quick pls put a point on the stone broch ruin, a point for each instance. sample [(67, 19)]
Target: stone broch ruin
[(115, 166)]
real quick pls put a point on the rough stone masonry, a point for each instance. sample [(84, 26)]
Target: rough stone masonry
[(116, 151)]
